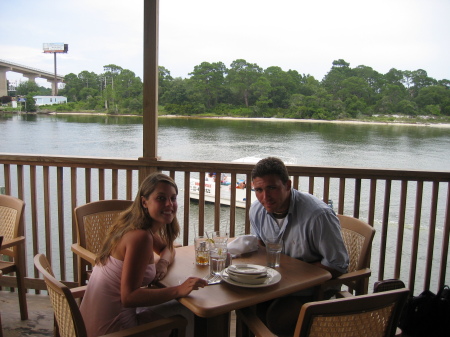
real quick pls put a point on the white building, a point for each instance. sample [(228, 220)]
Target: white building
[(50, 100)]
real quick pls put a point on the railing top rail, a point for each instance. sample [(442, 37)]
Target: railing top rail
[(227, 167)]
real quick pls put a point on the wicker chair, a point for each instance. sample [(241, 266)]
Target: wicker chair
[(365, 315), (93, 221), (70, 321), (358, 237), (11, 228)]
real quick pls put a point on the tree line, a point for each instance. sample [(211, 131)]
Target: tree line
[(246, 89)]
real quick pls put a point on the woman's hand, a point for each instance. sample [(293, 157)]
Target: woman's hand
[(161, 269), (192, 283)]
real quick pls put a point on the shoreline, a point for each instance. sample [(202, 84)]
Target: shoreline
[(272, 119)]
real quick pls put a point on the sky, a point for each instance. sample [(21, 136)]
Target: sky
[(302, 35)]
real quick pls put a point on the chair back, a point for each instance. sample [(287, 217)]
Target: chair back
[(94, 219), (67, 314), (357, 236), (11, 224), (366, 315)]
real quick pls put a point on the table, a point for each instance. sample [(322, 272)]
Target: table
[(212, 305)]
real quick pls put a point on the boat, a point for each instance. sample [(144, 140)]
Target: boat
[(225, 186), (225, 192)]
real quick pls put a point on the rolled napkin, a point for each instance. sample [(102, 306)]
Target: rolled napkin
[(243, 244)]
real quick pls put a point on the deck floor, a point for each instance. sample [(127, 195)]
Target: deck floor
[(40, 316)]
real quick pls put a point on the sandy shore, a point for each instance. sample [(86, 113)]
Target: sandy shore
[(291, 120)]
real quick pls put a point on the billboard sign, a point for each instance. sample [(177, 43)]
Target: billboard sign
[(55, 47)]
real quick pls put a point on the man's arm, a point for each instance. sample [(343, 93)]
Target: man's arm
[(334, 273)]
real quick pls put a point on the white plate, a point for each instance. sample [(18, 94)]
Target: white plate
[(249, 269), (273, 277)]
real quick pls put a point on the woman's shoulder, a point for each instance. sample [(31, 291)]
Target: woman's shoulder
[(138, 236)]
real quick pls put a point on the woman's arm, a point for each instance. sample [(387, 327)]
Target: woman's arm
[(137, 254), (166, 257)]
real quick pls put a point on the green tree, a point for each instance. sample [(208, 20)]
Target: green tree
[(164, 81), (434, 95), (30, 103), (355, 86), (241, 76), (207, 81), (339, 72), (394, 76), (175, 92), (72, 88), (27, 87), (391, 95), (282, 85), (261, 89), (420, 80)]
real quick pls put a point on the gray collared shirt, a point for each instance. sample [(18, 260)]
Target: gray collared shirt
[(311, 230)]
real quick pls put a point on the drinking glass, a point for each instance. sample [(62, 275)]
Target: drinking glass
[(217, 258), (220, 237), (274, 245), (201, 250)]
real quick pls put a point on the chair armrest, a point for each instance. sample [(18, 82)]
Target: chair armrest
[(164, 324), (253, 322), (13, 242), (78, 292), (83, 253), (349, 277)]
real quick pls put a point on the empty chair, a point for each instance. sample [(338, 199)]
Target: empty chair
[(365, 315), (93, 221), (68, 316), (11, 228), (358, 237)]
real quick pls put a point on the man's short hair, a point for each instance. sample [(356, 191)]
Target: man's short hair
[(268, 166)]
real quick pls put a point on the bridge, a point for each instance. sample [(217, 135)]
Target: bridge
[(30, 73)]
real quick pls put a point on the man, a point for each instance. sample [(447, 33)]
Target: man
[(310, 231)]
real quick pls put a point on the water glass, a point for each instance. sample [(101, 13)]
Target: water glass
[(201, 250), (273, 251), (217, 237), (217, 259)]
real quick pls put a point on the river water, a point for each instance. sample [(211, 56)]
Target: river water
[(307, 143)]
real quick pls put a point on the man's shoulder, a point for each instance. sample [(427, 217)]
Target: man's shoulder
[(300, 196), (308, 204), (255, 208)]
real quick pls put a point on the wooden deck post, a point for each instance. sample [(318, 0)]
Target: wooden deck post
[(150, 93)]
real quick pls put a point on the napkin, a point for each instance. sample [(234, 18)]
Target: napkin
[(243, 244)]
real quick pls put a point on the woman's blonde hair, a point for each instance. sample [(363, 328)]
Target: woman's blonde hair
[(137, 217)]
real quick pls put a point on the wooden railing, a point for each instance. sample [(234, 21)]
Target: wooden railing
[(409, 209)]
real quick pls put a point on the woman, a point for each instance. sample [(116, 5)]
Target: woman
[(116, 290)]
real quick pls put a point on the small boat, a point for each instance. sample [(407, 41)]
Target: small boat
[(225, 192), (225, 186)]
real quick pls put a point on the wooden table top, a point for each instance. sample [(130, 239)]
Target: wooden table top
[(223, 298)]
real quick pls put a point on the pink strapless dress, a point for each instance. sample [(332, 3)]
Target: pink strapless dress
[(102, 308)]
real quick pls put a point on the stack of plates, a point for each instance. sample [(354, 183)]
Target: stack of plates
[(247, 273)]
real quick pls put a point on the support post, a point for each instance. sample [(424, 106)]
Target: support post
[(150, 94)]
